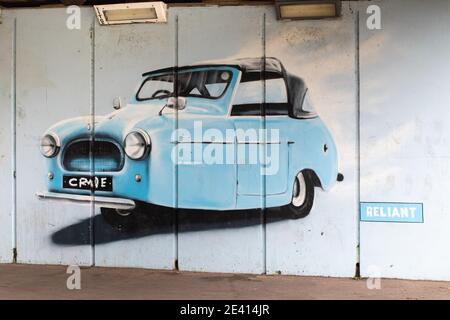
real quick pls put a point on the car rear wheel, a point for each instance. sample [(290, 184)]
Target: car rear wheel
[(302, 196)]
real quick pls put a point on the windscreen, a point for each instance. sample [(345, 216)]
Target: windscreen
[(209, 84)]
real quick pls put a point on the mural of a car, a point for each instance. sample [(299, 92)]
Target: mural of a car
[(228, 135)]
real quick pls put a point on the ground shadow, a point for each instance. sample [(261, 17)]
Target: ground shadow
[(156, 220)]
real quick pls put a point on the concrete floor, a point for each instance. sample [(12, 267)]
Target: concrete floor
[(49, 282)]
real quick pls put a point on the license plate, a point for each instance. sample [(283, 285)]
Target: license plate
[(99, 183)]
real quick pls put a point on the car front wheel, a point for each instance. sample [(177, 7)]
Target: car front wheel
[(302, 196), (117, 218)]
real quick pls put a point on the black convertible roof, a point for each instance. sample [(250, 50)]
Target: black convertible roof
[(244, 64), (296, 86), (253, 64)]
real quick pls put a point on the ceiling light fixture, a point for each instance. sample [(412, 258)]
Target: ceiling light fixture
[(307, 9), (140, 12)]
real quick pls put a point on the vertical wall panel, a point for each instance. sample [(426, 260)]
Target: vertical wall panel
[(122, 54), (6, 55), (322, 52), (53, 84), (223, 241), (405, 137)]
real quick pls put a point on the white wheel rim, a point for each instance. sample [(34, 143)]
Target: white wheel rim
[(299, 191), (123, 213)]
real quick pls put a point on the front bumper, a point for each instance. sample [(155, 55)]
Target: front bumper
[(103, 202)]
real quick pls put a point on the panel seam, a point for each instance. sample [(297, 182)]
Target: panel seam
[(358, 143), (176, 211), (14, 141), (92, 111), (264, 180)]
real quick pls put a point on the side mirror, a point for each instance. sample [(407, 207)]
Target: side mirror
[(117, 103), (176, 103)]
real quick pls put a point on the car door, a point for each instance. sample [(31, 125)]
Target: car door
[(249, 149), (261, 138), (278, 144)]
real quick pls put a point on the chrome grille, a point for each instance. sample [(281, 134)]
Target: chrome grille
[(107, 156)]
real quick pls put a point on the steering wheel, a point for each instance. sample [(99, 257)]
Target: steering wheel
[(158, 92)]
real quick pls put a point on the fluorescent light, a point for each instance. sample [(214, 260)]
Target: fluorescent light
[(131, 13), (307, 9)]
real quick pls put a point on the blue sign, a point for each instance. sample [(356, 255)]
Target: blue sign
[(391, 212)]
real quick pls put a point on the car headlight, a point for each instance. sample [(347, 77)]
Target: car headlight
[(50, 145), (137, 144)]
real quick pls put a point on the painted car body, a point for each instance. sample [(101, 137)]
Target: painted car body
[(303, 143)]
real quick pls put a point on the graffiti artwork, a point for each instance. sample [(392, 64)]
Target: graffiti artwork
[(228, 135)]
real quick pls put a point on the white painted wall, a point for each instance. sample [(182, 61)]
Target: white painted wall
[(220, 241), (53, 83), (323, 53), (405, 151), (6, 55), (404, 144), (54, 74), (122, 54)]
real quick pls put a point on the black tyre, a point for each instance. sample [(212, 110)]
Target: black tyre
[(302, 196)]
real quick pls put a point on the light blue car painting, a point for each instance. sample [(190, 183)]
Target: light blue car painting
[(229, 135)]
